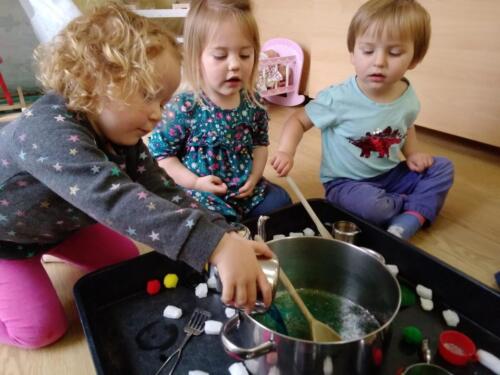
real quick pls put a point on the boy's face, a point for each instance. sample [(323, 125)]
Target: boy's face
[(226, 63), (381, 62), (126, 123)]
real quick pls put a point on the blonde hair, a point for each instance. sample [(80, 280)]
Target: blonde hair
[(106, 53), (406, 19), (201, 22)]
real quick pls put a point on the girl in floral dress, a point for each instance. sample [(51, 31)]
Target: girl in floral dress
[(213, 139)]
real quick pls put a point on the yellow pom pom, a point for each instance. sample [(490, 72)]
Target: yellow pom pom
[(170, 281)]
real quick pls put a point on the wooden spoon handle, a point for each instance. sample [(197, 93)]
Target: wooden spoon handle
[(321, 228), (293, 293)]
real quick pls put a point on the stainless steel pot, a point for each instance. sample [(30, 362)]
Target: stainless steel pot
[(336, 267)]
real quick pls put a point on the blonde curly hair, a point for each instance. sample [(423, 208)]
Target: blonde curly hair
[(105, 53)]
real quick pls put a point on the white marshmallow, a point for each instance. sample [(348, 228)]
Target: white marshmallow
[(309, 232), (424, 292), (426, 304), (393, 269), (229, 312), (172, 312), (278, 236), (451, 318), (212, 282), (328, 366), (197, 372), (252, 365), (295, 234), (489, 360), (238, 368), (201, 290), (212, 327)]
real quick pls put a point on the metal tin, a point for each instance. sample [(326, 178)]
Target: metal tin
[(345, 231), (425, 369)]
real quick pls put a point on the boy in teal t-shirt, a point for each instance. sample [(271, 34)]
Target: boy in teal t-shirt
[(367, 121)]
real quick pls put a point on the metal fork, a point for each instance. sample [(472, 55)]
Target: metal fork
[(194, 327)]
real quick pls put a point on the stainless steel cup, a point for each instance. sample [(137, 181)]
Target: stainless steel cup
[(425, 369), (345, 231), (270, 267)]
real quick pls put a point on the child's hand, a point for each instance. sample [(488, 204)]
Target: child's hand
[(282, 162), (240, 272), (247, 188), (419, 161), (212, 184)]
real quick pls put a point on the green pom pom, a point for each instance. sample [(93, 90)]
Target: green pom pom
[(412, 335), (408, 296)]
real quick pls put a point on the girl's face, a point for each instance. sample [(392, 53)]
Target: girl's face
[(126, 123), (381, 62), (226, 63)]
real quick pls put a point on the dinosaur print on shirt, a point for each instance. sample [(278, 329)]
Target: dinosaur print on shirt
[(379, 142)]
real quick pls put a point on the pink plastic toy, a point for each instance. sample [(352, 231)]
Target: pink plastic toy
[(4, 88), (279, 77)]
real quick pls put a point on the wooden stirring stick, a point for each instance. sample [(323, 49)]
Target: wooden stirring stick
[(321, 228)]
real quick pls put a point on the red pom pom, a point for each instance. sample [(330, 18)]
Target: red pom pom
[(377, 356), (153, 287)]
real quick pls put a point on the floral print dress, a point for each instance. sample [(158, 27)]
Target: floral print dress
[(210, 140)]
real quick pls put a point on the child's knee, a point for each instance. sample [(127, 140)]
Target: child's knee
[(37, 333), (284, 198), (444, 167), (379, 211), (280, 197)]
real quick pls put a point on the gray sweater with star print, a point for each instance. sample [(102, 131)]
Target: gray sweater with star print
[(56, 177)]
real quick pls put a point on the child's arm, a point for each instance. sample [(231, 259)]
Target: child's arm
[(295, 127), (417, 161), (185, 178), (132, 195), (258, 165), (235, 258)]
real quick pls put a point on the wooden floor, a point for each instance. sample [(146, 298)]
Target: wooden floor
[(466, 235)]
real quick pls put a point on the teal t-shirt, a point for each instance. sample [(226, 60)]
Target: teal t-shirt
[(360, 138)]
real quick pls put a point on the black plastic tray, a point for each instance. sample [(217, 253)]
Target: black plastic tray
[(128, 335)]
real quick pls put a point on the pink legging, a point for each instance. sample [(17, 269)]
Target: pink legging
[(31, 315)]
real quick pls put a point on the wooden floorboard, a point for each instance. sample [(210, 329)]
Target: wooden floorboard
[(466, 235)]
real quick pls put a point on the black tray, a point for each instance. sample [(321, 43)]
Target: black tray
[(128, 335)]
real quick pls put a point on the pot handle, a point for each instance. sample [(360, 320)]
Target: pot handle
[(239, 352)]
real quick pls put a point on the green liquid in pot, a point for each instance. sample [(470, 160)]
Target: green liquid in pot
[(350, 320)]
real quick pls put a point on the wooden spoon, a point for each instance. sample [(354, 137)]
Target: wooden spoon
[(321, 228), (320, 331)]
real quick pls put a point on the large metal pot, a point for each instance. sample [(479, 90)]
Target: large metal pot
[(333, 266)]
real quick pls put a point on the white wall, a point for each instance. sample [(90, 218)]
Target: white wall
[(17, 41)]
